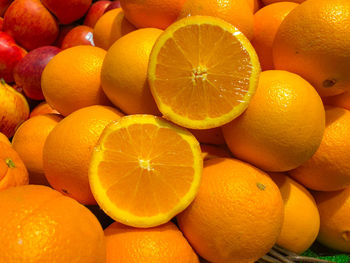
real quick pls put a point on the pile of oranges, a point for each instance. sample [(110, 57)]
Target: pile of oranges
[(207, 130)]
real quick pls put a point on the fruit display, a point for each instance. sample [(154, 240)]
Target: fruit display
[(163, 131)]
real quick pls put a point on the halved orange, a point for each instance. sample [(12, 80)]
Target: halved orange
[(144, 170), (202, 72)]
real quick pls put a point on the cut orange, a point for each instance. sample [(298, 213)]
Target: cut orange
[(202, 72), (144, 170)]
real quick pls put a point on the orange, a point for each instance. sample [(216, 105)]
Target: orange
[(236, 12), (313, 42), (71, 79), (266, 23), (38, 225), (42, 108), (68, 147), (283, 125), (237, 214), (124, 72), (341, 100), (329, 167), (301, 221), (111, 26), (144, 170), (29, 141), (210, 136), (334, 208), (213, 151), (198, 86), (152, 13), (12, 169), (164, 243), (3, 138), (254, 5), (268, 2)]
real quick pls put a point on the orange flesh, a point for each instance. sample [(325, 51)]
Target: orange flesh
[(143, 154), (198, 76)]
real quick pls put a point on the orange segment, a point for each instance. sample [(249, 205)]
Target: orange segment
[(202, 72), (145, 170)]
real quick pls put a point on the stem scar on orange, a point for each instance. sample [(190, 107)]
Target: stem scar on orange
[(144, 170), (202, 72)]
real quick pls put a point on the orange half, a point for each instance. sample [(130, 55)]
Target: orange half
[(202, 72), (144, 170)]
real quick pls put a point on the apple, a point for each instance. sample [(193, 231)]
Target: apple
[(63, 31), (1, 23), (4, 4), (95, 11), (67, 11), (30, 24), (113, 5), (27, 72), (14, 109), (10, 55), (79, 35)]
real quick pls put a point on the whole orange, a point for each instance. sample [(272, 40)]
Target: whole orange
[(164, 243), (29, 141), (71, 80), (237, 214), (3, 138), (268, 2), (152, 13), (266, 23), (313, 42), (67, 150), (329, 167), (282, 126), (38, 224)]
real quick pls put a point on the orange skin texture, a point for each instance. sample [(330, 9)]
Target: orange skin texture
[(68, 147), (12, 169), (42, 108), (111, 26), (79, 35), (266, 23), (29, 141), (237, 214), (255, 5), (236, 12), (268, 134), (152, 13), (129, 89), (268, 2), (4, 139), (329, 167), (71, 79), (341, 100), (164, 243), (67, 11), (313, 42), (210, 136), (38, 224), (297, 235), (334, 208), (13, 111)]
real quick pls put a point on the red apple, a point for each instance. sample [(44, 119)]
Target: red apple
[(10, 55), (14, 109), (1, 23), (67, 11), (113, 5), (27, 72), (30, 24), (96, 10), (79, 35), (63, 31), (4, 4)]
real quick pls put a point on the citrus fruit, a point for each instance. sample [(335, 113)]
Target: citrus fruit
[(12, 169), (38, 224), (329, 167), (342, 100), (313, 42), (202, 72), (144, 170), (254, 5), (152, 13), (164, 243), (42, 108), (68, 147), (210, 136), (237, 214), (71, 79), (334, 208), (214, 151), (4, 139), (301, 221), (236, 12), (29, 141), (283, 125), (128, 89), (266, 23), (268, 2), (111, 26)]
